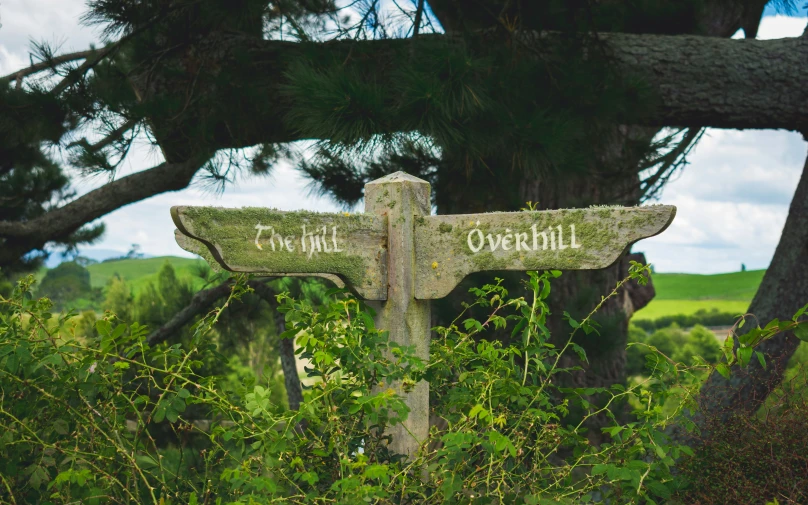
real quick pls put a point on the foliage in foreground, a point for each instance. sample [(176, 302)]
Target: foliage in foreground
[(108, 420)]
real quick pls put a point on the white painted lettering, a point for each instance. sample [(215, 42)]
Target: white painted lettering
[(260, 228), (536, 236), (494, 245), (521, 242), (506, 240), (325, 241), (480, 239), (561, 245), (334, 238)]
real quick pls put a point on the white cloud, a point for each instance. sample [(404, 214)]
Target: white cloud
[(52, 21)]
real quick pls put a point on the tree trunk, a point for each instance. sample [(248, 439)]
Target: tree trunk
[(783, 291), (286, 348)]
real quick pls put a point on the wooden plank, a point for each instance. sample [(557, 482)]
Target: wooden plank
[(266, 241), (448, 248)]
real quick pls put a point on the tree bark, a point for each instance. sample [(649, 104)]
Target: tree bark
[(200, 302), (782, 292), (286, 349)]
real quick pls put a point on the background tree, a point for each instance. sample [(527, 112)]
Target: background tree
[(119, 299), (67, 282)]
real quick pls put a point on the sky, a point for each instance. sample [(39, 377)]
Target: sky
[(732, 199)]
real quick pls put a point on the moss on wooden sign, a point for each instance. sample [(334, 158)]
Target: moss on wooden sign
[(259, 240), (448, 248)]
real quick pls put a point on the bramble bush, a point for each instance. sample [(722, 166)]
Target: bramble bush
[(78, 414)]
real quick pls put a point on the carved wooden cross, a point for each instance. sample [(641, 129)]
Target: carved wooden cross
[(401, 256)]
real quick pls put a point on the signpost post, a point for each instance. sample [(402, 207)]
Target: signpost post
[(399, 257)]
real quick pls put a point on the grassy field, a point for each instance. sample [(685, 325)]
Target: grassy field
[(734, 286), (688, 293), (660, 308), (139, 272)]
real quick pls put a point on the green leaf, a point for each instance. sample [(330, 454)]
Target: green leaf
[(773, 324), (183, 393), (172, 415), (145, 461), (103, 327), (801, 332), (599, 469), (61, 427), (159, 414), (118, 331), (761, 359), (521, 324), (723, 370), (659, 489), (475, 410), (800, 312), (727, 348), (744, 355)]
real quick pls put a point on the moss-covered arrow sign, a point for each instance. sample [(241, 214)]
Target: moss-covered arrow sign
[(448, 248), (265, 241)]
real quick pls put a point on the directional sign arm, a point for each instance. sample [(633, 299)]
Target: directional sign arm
[(448, 248), (271, 242), (200, 249)]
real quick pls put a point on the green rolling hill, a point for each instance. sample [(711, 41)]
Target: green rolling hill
[(139, 272), (688, 293)]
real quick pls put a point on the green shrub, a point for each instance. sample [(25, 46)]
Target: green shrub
[(635, 354), (700, 342), (113, 420), (674, 343), (668, 340)]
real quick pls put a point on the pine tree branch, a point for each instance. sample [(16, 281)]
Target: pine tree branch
[(49, 64), (419, 12), (22, 236), (109, 139), (77, 73)]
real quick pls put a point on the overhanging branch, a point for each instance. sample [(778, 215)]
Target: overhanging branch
[(694, 81), (64, 220), (50, 63)]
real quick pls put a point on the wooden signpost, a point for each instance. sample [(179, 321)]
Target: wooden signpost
[(399, 256)]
